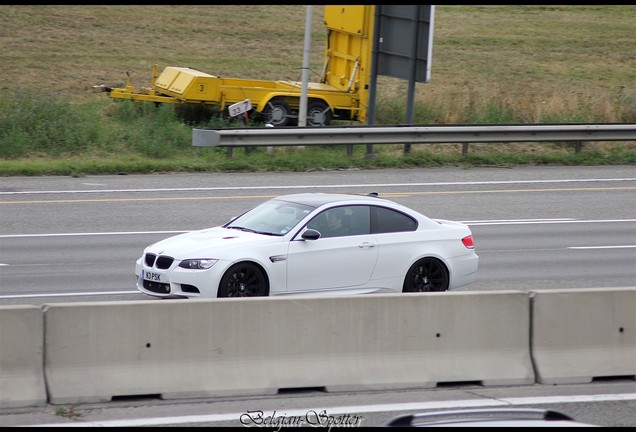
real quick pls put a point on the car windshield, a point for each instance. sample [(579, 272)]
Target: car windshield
[(273, 217)]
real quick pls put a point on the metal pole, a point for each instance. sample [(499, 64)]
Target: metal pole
[(302, 114), (413, 60), (373, 78)]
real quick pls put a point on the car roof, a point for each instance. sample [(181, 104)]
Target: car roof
[(317, 199)]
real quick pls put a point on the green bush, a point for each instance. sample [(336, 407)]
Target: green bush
[(33, 124), (40, 134)]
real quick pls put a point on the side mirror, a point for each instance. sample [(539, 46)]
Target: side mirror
[(310, 234)]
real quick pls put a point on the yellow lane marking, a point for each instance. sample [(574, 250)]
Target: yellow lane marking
[(386, 194), (134, 199)]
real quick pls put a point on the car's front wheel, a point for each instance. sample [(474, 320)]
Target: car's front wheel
[(244, 280), (427, 274)]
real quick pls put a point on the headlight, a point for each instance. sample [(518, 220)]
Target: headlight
[(197, 264)]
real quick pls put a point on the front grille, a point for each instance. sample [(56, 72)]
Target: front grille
[(159, 288), (150, 259), (164, 262)]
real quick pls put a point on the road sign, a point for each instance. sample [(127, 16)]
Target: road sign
[(239, 108)]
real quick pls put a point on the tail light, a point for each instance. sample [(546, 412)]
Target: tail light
[(468, 242)]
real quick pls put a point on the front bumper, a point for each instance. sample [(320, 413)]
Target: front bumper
[(178, 282)]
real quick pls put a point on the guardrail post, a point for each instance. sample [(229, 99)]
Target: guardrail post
[(370, 155), (578, 145)]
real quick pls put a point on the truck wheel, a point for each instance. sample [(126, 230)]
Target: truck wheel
[(318, 114), (277, 113)]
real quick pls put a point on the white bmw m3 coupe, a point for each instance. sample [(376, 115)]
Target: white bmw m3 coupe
[(312, 243)]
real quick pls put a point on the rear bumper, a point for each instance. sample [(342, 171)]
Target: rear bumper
[(463, 270)]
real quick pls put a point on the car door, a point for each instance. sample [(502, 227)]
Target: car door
[(398, 243), (329, 263)]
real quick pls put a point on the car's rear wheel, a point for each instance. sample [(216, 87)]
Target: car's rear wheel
[(244, 280), (427, 274)]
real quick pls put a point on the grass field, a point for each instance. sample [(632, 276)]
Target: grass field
[(491, 64)]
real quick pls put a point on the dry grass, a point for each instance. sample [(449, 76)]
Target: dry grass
[(535, 60), (491, 64)]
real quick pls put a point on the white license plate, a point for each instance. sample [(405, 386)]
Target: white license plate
[(152, 276)]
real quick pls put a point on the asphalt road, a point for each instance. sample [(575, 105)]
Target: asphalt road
[(603, 403), (76, 239), (66, 239)]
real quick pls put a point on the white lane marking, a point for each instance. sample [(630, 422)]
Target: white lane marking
[(90, 234), (369, 185), (522, 220), (493, 222), (68, 294), (543, 221), (603, 247), (416, 406), (485, 222)]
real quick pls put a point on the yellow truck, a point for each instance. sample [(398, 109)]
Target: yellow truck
[(341, 94)]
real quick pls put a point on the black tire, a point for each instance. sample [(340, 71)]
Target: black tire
[(426, 275), (318, 114), (277, 113), (244, 280)]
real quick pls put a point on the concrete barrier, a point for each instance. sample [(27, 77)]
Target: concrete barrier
[(224, 347), (21, 357), (579, 335)]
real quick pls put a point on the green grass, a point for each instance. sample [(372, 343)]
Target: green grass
[(491, 65)]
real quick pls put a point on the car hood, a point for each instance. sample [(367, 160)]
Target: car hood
[(209, 243)]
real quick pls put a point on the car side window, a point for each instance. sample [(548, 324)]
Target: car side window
[(385, 220), (359, 220), (342, 221)]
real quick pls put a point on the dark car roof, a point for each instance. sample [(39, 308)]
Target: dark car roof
[(317, 199)]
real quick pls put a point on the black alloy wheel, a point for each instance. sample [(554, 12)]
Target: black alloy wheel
[(426, 275), (244, 280)]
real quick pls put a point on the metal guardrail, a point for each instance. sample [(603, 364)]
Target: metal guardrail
[(370, 135)]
